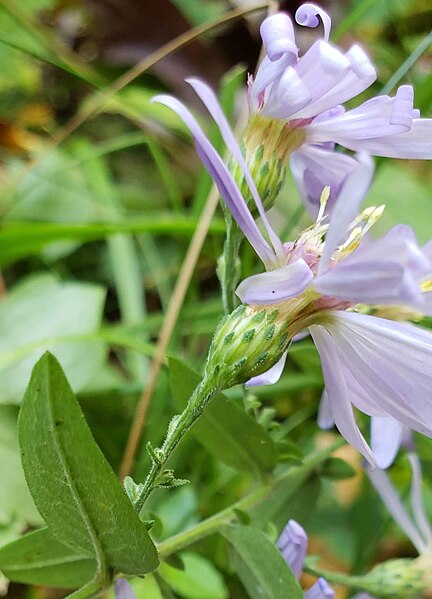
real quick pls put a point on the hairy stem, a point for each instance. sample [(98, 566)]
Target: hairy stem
[(178, 427)]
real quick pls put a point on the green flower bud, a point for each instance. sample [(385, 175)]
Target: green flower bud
[(267, 144), (397, 579), (247, 343)]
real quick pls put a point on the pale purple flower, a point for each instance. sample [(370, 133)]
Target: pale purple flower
[(308, 92), (379, 366), (123, 589), (293, 544), (417, 526)]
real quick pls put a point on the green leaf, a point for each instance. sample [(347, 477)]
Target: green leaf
[(38, 558), (72, 484), (260, 565), (293, 498), (224, 429), (198, 578), (336, 469), (16, 504), (43, 313)]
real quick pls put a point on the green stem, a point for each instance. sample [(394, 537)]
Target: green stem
[(178, 427), (354, 582), (91, 589), (229, 264), (213, 524)]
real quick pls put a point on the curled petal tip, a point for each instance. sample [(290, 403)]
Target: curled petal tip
[(307, 15)]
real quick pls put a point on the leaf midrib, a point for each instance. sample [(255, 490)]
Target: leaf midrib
[(99, 555)]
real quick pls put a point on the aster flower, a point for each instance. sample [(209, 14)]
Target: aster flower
[(307, 93), (379, 366), (293, 544)]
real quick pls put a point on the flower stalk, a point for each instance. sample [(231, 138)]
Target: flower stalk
[(158, 476)]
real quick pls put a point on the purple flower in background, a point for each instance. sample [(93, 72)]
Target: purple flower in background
[(308, 93), (379, 366), (293, 544), (123, 589)]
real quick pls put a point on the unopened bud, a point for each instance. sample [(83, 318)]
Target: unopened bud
[(267, 145), (248, 342), (397, 579)]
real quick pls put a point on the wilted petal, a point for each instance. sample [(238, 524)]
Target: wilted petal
[(338, 391), (223, 180), (386, 437), (278, 38), (293, 544), (211, 102), (271, 376), (320, 590), (375, 118), (351, 196), (276, 285), (393, 503), (123, 589), (307, 15)]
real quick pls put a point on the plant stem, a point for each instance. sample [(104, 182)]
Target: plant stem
[(353, 582), (229, 264), (177, 428), (212, 524)]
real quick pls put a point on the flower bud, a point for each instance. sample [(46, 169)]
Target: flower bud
[(267, 145), (248, 342), (397, 579)]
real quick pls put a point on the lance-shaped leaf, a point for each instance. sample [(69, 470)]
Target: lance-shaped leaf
[(72, 484), (260, 565), (38, 558)]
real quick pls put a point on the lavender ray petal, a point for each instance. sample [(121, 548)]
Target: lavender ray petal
[(386, 438), (413, 144), (271, 376), (417, 503), (351, 196), (211, 102), (293, 544), (287, 95), (338, 392), (391, 361), (320, 590), (396, 508), (268, 72), (325, 415), (276, 285), (314, 168), (307, 14), (223, 180), (358, 76), (277, 33), (375, 118), (371, 282)]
